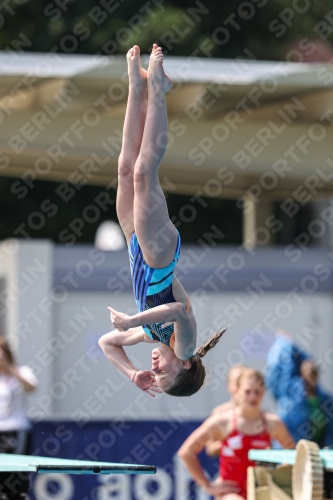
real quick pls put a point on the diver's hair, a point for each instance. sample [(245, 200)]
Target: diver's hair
[(190, 380), (250, 373), (7, 350)]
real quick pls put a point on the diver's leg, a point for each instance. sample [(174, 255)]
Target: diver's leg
[(132, 136), (156, 234)]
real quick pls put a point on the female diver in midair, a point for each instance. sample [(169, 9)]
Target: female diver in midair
[(164, 310)]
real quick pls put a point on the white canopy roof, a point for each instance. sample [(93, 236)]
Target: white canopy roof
[(189, 70), (240, 97)]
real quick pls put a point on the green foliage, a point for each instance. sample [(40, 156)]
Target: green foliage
[(262, 27)]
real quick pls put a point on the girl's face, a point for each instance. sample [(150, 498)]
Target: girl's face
[(166, 366), (250, 393)]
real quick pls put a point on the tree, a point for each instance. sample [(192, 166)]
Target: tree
[(262, 29)]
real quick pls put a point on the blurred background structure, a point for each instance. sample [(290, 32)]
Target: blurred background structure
[(248, 177), (64, 124)]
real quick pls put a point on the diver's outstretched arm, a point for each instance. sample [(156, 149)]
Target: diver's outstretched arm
[(112, 345)]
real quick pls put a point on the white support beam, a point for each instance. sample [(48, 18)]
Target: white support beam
[(256, 230), (249, 221)]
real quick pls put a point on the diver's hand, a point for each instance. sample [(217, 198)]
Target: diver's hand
[(120, 321), (145, 380)]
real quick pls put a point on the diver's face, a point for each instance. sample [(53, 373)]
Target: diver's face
[(166, 366)]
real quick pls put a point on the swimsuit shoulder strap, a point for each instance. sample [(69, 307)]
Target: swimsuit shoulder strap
[(234, 420), (264, 421)]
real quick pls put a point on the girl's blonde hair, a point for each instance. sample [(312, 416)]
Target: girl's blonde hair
[(190, 380), (251, 373), (234, 368)]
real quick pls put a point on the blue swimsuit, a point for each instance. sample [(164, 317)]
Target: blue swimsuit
[(152, 287)]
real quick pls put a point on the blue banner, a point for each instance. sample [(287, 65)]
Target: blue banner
[(143, 442)]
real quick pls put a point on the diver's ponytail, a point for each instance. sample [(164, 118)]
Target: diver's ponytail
[(210, 343)]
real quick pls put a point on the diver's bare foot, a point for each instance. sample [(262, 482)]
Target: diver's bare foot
[(157, 79), (137, 75)]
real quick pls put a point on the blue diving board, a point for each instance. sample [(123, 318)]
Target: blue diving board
[(288, 457), (27, 463)]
